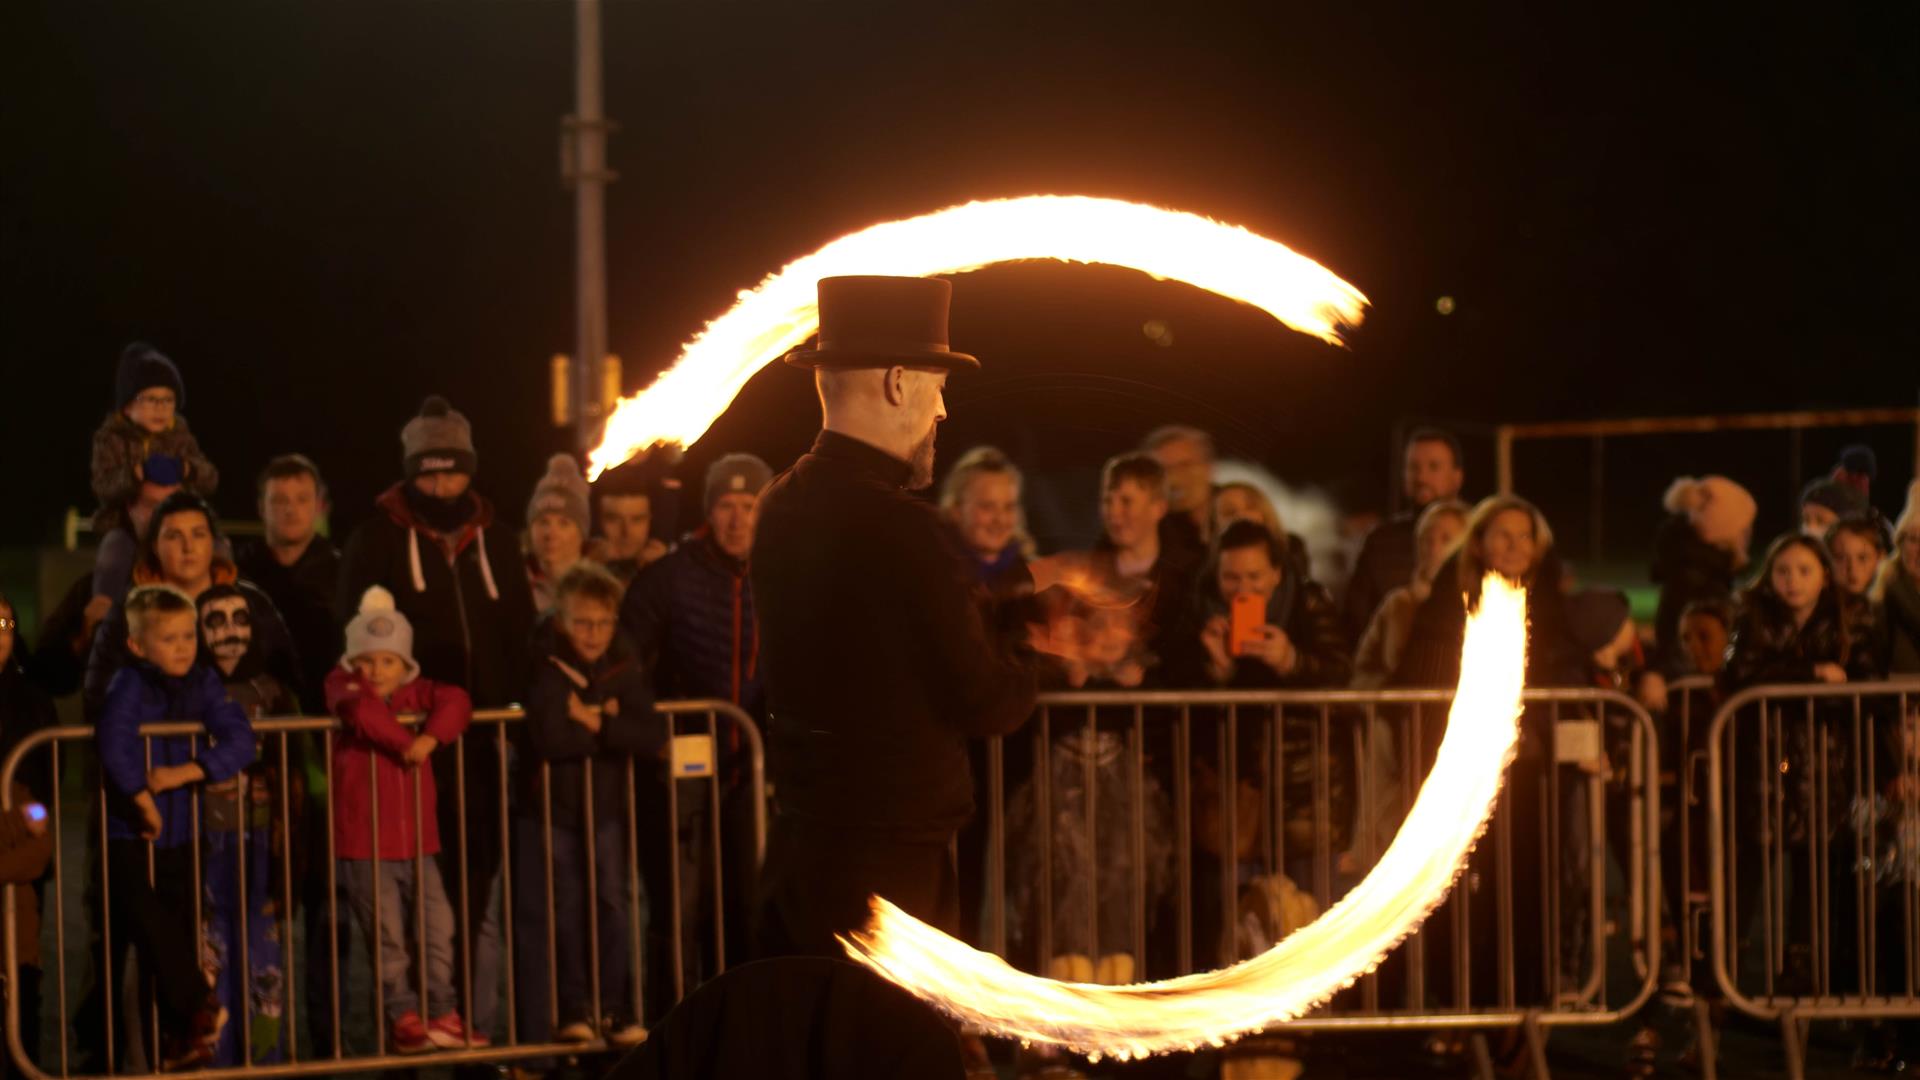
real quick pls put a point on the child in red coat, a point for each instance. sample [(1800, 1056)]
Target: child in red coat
[(384, 822)]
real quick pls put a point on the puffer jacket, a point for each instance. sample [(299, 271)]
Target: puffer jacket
[(141, 694), (692, 620), (462, 589)]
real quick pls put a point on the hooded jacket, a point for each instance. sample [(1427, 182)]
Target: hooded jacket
[(141, 694), (555, 739), (369, 762), (461, 588)]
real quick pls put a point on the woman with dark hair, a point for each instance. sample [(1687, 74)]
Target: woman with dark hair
[(182, 548)]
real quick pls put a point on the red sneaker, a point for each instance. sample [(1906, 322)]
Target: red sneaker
[(449, 1032), (409, 1035)]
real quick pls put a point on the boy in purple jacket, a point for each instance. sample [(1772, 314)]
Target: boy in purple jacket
[(150, 808)]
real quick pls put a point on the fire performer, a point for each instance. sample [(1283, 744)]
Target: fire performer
[(882, 653)]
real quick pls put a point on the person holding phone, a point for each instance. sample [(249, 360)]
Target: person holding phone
[(1267, 624)]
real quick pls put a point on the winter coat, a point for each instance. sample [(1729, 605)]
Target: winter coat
[(1687, 569), (371, 750), (462, 590), (141, 694), (554, 738), (1860, 623), (1386, 562), (1304, 610), (1899, 629), (880, 657), (1765, 647), (119, 444), (304, 595), (1432, 657), (691, 615), (273, 646)]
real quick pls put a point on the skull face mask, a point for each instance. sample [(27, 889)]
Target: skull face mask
[(226, 626)]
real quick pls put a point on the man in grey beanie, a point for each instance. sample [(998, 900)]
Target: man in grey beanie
[(454, 573), (691, 615)]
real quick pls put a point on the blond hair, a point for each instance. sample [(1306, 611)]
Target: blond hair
[(1471, 569), (1268, 515), (150, 602), (986, 461)]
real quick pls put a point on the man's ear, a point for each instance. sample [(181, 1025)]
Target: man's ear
[(893, 382)]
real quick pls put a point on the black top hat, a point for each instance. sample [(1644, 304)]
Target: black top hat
[(869, 322)]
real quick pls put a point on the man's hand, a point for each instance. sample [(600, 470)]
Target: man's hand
[(1275, 649), (1653, 691), (150, 823), (164, 778), (421, 748), (583, 714), (1830, 673)]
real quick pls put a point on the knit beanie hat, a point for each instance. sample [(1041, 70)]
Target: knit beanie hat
[(1594, 616), (438, 440), (735, 474), (1844, 500), (1860, 460), (379, 627), (1719, 510), (142, 367), (562, 491)]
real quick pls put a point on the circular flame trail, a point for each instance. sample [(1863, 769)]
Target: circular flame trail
[(1302, 971), (779, 313)]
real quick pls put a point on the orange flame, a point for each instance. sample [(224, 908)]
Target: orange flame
[(1302, 971), (779, 313)]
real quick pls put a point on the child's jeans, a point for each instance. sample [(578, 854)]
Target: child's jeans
[(570, 974), (158, 919), (399, 921)]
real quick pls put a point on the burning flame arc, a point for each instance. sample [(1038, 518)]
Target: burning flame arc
[(1302, 971), (779, 314)]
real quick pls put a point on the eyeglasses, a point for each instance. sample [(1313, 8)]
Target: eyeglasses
[(155, 400), (9, 624)]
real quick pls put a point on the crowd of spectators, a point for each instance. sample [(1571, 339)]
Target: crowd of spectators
[(439, 604)]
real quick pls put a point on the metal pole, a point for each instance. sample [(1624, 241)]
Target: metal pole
[(586, 131)]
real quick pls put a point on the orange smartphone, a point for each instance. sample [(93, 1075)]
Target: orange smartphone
[(1249, 618)]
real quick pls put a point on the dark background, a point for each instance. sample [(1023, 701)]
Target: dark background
[(324, 211)]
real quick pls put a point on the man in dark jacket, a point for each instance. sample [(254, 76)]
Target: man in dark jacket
[(297, 567), (456, 576), (1432, 470), (691, 617), (880, 654)]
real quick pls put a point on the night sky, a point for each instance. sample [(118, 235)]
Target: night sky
[(325, 211)]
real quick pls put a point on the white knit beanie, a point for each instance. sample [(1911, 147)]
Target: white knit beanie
[(379, 627)]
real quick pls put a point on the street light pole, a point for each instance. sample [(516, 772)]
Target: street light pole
[(588, 130)]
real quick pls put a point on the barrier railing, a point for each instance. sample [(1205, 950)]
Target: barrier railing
[(269, 798), (1225, 793), (1814, 853)]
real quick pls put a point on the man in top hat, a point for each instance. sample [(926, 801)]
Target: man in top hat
[(880, 651)]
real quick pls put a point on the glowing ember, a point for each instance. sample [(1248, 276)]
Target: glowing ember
[(1301, 972), (779, 315)]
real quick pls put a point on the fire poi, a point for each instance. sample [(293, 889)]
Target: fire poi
[(1455, 802)]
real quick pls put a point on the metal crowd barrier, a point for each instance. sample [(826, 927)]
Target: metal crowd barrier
[(1148, 750), (692, 760), (1813, 828)]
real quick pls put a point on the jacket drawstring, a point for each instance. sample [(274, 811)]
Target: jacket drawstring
[(413, 557), (486, 565)]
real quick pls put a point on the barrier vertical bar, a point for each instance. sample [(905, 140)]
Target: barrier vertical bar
[(1043, 822), (1322, 810), (333, 895), (996, 846), (1228, 742), (593, 891), (506, 880), (1138, 760), (1183, 827), (466, 873), (287, 950), (718, 853), (420, 895), (373, 874), (59, 901), (1089, 749), (673, 872), (546, 863), (636, 979), (109, 982)]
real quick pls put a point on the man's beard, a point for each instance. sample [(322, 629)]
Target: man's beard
[(921, 461)]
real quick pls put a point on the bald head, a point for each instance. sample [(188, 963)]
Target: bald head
[(897, 409)]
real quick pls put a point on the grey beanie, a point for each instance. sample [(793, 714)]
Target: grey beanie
[(562, 491), (379, 627), (438, 440), (735, 474)]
